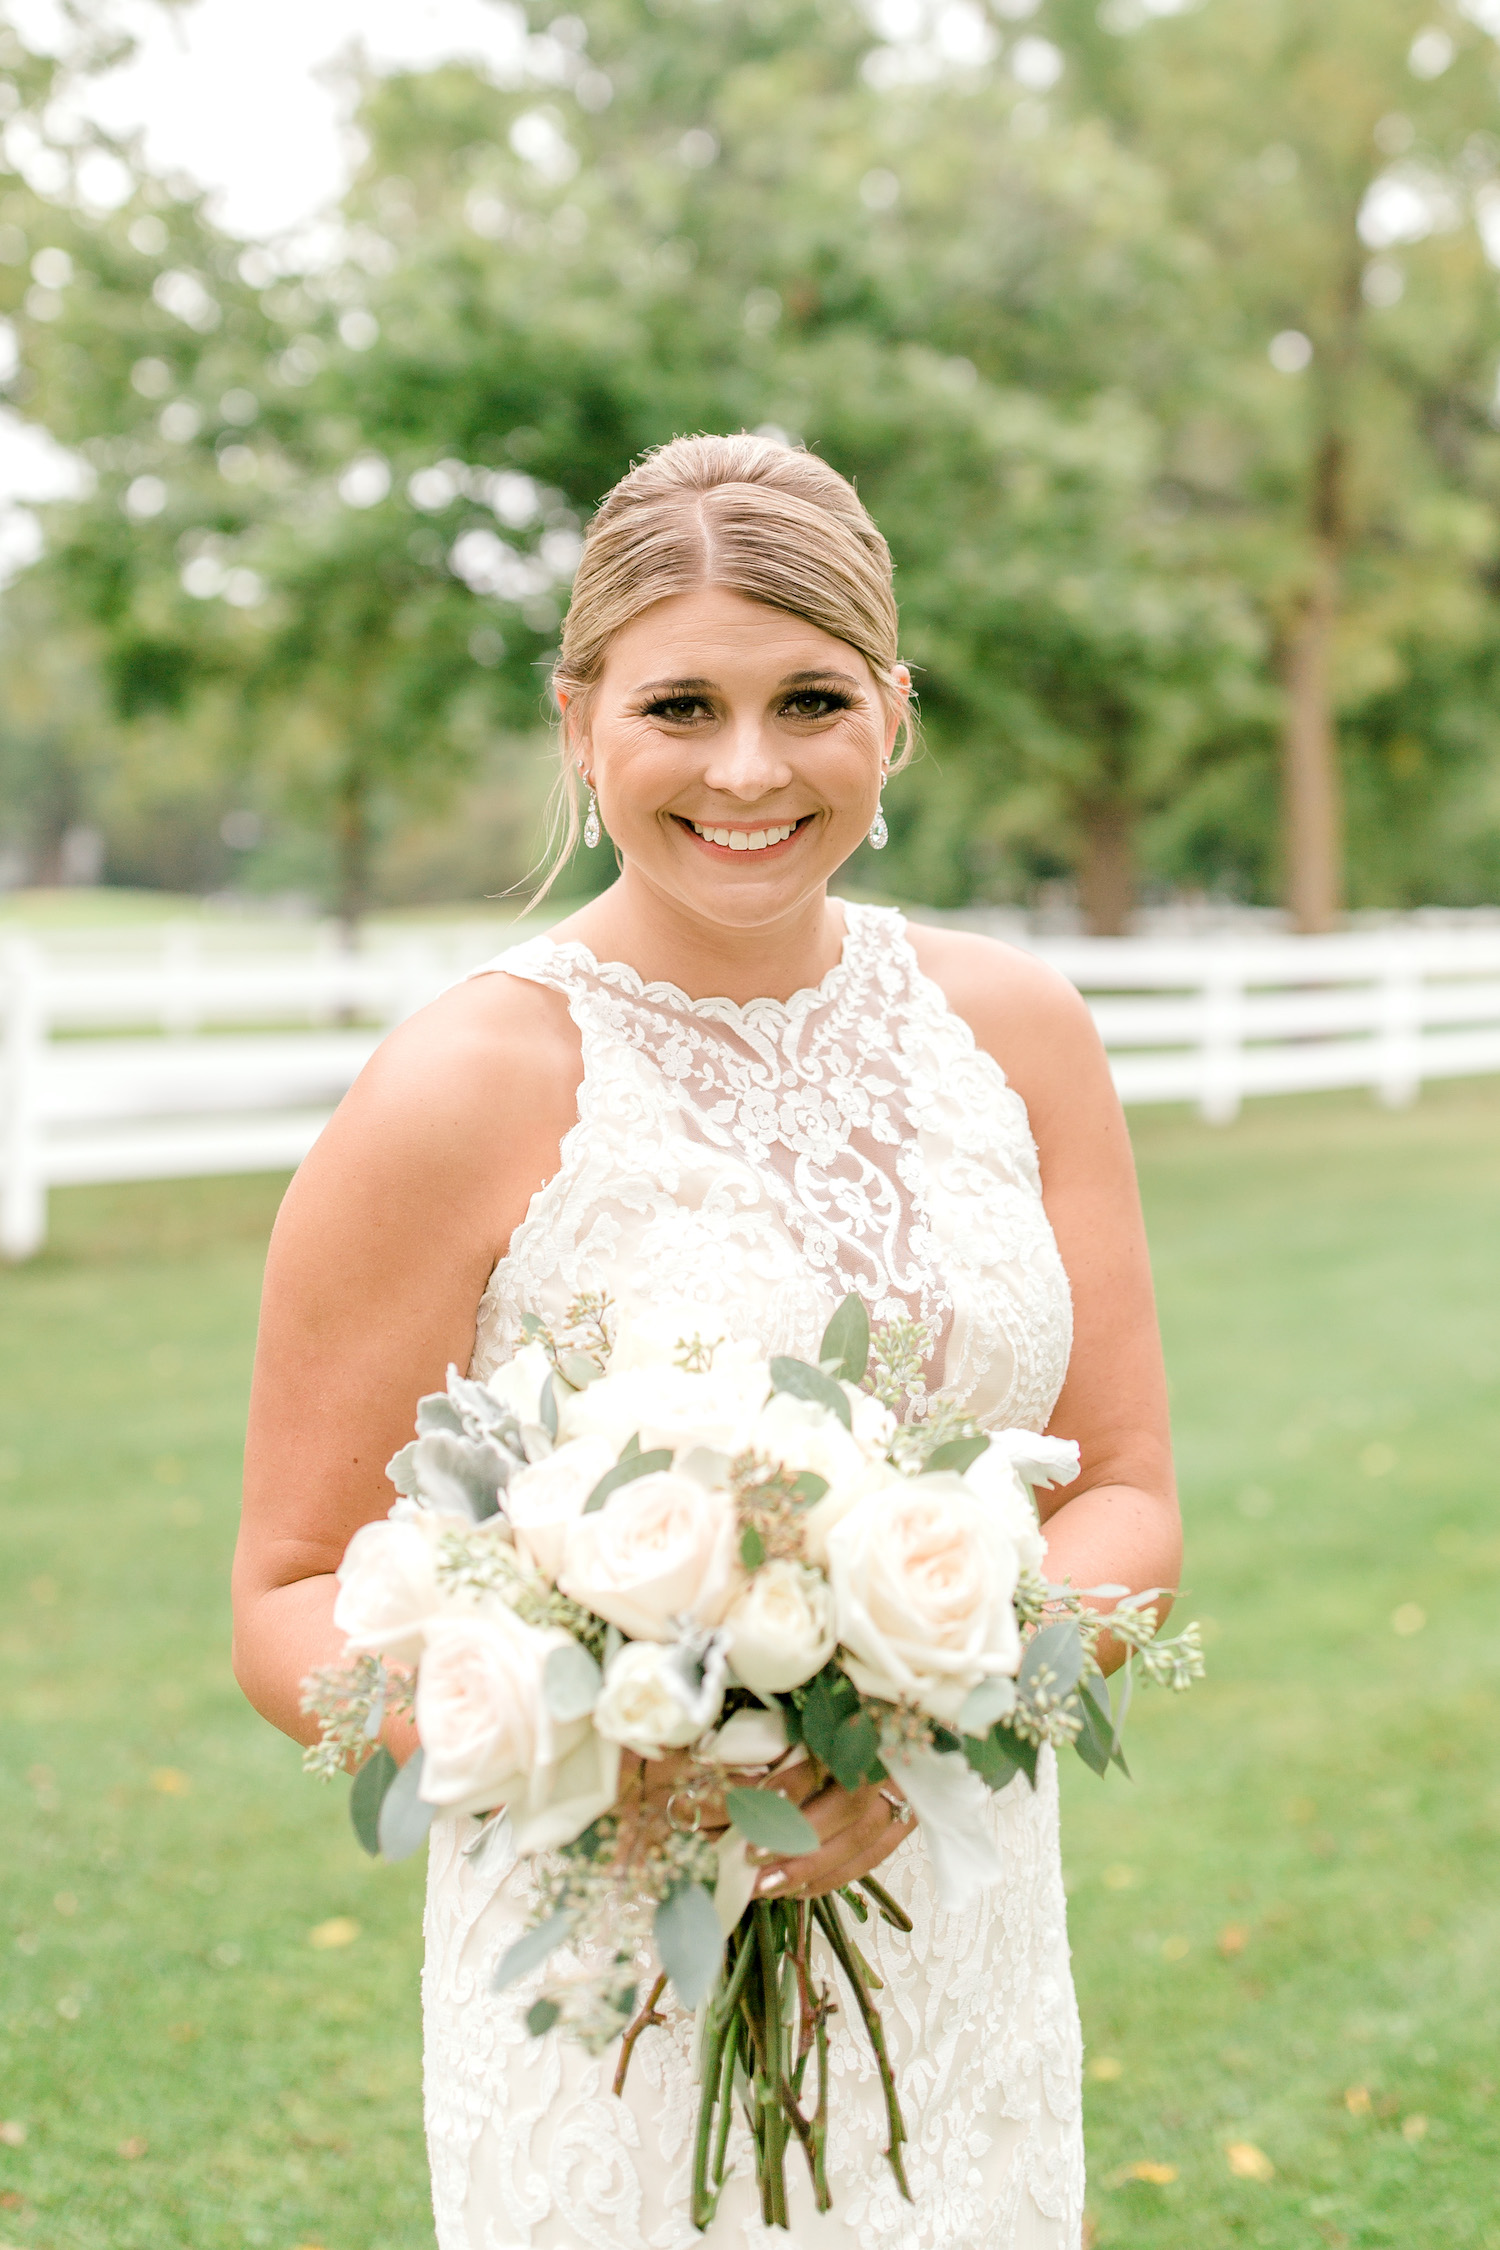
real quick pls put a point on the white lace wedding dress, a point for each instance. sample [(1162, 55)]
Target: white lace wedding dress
[(762, 1161)]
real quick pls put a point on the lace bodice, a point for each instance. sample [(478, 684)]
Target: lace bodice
[(763, 1160)]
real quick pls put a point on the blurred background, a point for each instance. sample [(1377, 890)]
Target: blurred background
[(1162, 338)]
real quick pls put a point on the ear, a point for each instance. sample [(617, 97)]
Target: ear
[(901, 682)]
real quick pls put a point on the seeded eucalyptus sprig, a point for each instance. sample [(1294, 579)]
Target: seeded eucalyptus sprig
[(350, 1702)]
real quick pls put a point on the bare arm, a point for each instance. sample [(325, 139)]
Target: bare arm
[(1118, 1522), (377, 1264)]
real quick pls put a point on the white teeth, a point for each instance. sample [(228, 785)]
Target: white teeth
[(745, 839)]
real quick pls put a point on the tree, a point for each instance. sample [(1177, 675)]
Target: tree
[(1296, 141)]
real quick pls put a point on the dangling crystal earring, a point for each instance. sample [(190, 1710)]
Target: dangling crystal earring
[(591, 828), (880, 835)]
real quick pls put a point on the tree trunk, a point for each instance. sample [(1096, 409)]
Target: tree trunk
[(351, 832), (1106, 870), (1313, 844)]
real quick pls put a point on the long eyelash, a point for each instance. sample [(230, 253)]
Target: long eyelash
[(666, 703), (836, 697)]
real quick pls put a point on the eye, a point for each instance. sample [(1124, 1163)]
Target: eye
[(817, 703), (677, 710)]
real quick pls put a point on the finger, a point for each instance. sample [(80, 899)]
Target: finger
[(857, 1831), (862, 1862)]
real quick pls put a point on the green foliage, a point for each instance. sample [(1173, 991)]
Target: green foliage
[(689, 1940), (800, 1380), (335, 511), (770, 1821), (367, 1795)]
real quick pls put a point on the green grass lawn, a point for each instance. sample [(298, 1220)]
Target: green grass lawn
[(1287, 1931)]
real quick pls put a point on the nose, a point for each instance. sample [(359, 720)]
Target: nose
[(745, 760)]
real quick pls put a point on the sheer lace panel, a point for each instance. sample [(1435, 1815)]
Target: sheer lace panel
[(768, 1158)]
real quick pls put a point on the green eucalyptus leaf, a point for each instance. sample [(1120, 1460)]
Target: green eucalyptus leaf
[(1058, 1649), (752, 1548), (845, 1349), (541, 2016), (571, 1681), (810, 1487), (531, 1949), (1095, 1740), (578, 1369), (547, 1406), (532, 1326), (1016, 1748), (802, 1381), (371, 1782), (983, 1705), (855, 1749), (689, 1942), (404, 1816), (827, 1701), (770, 1821), (625, 1471), (958, 1452)]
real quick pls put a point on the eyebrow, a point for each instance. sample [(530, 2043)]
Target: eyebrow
[(790, 679)]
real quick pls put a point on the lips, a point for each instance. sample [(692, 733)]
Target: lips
[(745, 839)]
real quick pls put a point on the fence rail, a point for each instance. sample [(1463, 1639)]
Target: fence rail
[(191, 1062)]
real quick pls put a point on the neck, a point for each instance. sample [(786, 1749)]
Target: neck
[(664, 941)]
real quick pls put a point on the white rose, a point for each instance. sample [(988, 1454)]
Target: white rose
[(922, 1576), (661, 1547), (781, 1628), (836, 1503), (543, 1500), (639, 1705), (994, 1479), (519, 1383), (489, 1739), (667, 1406), (388, 1587), (801, 1434)]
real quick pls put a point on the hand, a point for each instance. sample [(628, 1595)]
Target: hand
[(857, 1830), (647, 1786)]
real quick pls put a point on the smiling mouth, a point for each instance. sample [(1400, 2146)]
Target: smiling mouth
[(740, 840)]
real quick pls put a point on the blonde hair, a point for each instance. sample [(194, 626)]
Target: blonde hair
[(750, 514)]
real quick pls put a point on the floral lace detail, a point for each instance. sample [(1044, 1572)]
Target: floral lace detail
[(760, 1161), (764, 1160)]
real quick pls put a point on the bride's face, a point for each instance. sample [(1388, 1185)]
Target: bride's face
[(737, 753)]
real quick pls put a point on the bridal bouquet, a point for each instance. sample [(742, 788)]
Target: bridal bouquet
[(637, 1536)]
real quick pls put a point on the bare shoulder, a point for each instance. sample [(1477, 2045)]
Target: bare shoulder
[(458, 1115), (1025, 1013)]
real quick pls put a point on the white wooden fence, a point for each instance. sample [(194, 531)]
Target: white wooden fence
[(181, 1062)]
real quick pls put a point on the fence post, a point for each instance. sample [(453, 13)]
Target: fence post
[(417, 977), (1221, 1081), (1399, 1063), (23, 1180)]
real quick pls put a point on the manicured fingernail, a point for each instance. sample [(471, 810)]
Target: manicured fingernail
[(773, 1881)]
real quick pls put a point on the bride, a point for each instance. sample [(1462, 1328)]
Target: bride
[(718, 1084)]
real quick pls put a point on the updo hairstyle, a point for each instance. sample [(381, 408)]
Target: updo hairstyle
[(751, 514)]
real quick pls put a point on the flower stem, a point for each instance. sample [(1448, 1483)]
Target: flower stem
[(643, 2022), (832, 1928)]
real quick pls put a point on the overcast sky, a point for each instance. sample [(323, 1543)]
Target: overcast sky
[(238, 94)]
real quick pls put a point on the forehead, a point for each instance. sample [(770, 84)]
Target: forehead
[(724, 638)]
